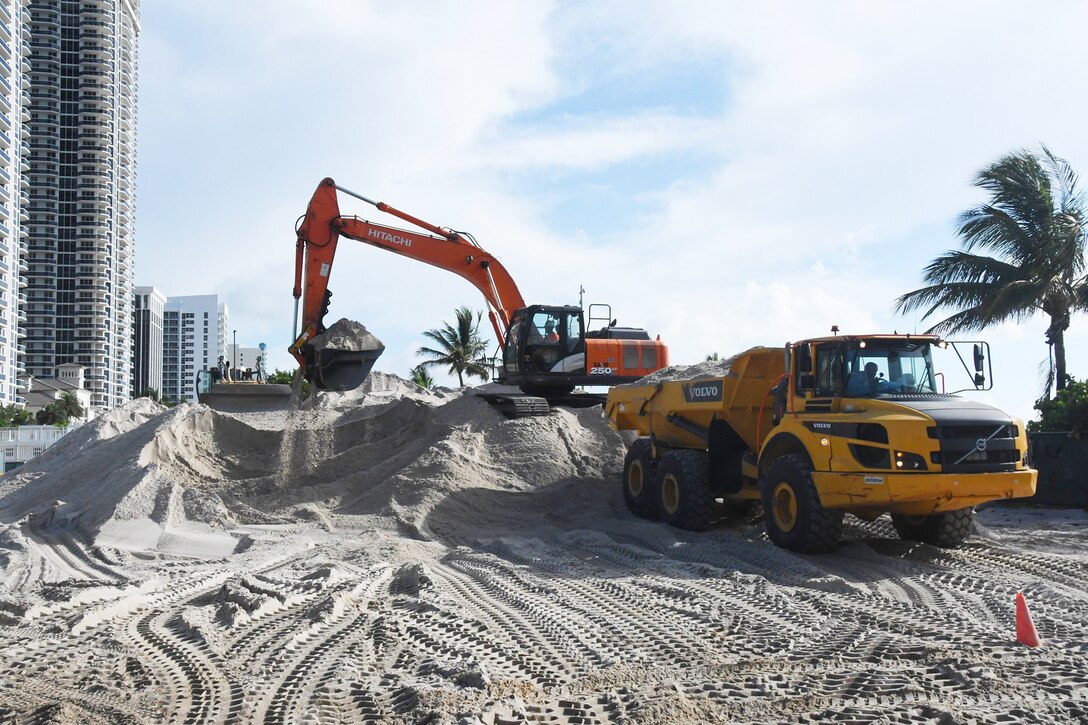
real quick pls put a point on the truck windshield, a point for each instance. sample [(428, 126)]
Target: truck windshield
[(869, 368)]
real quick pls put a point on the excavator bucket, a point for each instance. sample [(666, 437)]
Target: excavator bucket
[(341, 357), (341, 369)]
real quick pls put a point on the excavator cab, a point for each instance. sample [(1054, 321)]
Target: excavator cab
[(549, 350), (546, 343)]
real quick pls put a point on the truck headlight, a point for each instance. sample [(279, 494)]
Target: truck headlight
[(905, 461)]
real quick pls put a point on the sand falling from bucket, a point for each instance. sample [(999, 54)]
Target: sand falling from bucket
[(307, 439)]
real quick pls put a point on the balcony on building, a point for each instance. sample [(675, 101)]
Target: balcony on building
[(42, 269), (95, 65), (93, 47)]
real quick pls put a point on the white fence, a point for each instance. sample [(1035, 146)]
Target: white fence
[(18, 445)]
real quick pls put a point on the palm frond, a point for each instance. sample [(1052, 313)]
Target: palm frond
[(457, 347)]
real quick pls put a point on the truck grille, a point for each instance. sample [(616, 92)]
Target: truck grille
[(976, 447)]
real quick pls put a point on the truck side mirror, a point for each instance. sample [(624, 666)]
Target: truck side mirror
[(804, 360), (806, 381), (980, 359)]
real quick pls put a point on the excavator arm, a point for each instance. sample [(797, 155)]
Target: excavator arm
[(315, 249)]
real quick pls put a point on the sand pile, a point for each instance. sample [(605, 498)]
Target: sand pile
[(707, 369), (147, 478), (347, 335)]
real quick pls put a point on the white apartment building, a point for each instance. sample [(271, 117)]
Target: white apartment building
[(14, 99), (148, 307), (81, 147), (194, 334)]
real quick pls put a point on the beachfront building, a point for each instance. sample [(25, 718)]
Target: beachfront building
[(81, 166), (68, 378), (148, 307), (194, 335), (14, 49)]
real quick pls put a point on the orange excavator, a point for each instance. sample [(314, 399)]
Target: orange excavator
[(546, 349)]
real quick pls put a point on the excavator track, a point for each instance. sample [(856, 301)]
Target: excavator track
[(521, 405)]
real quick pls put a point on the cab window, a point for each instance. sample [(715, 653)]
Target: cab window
[(544, 329), (574, 332), (829, 369)]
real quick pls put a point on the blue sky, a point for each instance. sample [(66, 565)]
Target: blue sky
[(722, 174)]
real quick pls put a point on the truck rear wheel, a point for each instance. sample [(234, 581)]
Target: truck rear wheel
[(640, 479), (794, 516), (946, 530), (684, 496)]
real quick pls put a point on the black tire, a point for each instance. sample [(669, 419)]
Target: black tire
[(794, 516), (683, 490), (947, 530), (640, 479)]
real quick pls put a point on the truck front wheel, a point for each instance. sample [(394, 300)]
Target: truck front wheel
[(946, 530), (795, 518), (639, 479), (683, 485)]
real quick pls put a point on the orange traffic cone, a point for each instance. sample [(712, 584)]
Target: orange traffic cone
[(1026, 634)]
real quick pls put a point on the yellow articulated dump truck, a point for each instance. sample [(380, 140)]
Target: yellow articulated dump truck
[(823, 427)]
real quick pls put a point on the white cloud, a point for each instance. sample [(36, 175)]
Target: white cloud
[(829, 173)]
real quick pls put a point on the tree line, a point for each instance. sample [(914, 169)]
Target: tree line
[(60, 413)]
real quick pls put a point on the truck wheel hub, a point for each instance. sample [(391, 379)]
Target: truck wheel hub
[(784, 507), (636, 479), (670, 493)]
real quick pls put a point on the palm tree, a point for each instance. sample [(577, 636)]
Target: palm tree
[(459, 348), (69, 405), (52, 414), (421, 377), (1034, 224)]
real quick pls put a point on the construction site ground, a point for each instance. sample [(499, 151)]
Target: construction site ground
[(396, 555)]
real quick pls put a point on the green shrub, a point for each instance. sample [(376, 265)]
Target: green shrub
[(1066, 411), (290, 377)]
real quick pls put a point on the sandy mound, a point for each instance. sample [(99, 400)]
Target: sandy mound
[(708, 369), (148, 478)]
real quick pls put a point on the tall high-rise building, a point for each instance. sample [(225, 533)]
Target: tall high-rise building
[(14, 47), (81, 170), (194, 327), (147, 359)]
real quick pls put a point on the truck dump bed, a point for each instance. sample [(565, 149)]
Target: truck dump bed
[(675, 410)]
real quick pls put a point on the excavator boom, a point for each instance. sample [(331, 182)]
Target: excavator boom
[(318, 234)]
